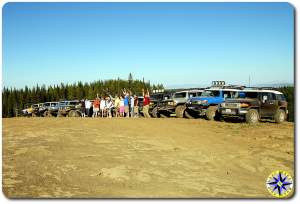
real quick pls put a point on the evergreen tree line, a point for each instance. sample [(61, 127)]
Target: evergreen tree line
[(288, 92), (13, 98)]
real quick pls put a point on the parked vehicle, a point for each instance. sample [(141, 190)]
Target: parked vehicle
[(207, 104), (49, 109), (69, 108), (253, 105), (176, 104), (155, 99)]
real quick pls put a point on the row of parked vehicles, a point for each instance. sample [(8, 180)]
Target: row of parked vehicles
[(220, 101), (217, 102)]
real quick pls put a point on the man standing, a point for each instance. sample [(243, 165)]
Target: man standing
[(146, 103), (88, 105)]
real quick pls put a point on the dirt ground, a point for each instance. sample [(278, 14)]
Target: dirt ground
[(148, 158)]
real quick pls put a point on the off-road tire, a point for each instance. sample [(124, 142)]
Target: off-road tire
[(280, 116), (211, 112), (179, 110), (47, 114), (155, 113), (188, 115), (73, 113), (252, 116)]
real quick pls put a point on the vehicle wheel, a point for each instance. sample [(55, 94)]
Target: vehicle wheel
[(280, 116), (211, 112), (33, 115), (252, 116), (155, 113), (73, 113), (180, 111), (219, 117), (47, 114), (188, 115)]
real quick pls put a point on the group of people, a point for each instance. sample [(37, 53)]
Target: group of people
[(124, 105)]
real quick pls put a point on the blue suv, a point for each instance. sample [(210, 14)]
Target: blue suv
[(207, 104)]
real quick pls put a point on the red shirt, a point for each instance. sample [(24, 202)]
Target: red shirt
[(146, 100), (96, 103)]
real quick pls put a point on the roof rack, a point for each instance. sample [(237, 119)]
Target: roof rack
[(261, 88)]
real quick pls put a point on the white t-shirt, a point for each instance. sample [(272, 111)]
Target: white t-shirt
[(102, 104), (131, 101), (88, 104)]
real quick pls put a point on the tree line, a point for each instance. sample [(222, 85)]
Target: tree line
[(288, 92), (17, 99)]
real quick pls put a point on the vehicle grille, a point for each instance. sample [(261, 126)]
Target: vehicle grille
[(232, 105)]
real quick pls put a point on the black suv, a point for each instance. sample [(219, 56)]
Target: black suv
[(69, 108), (176, 104), (155, 99), (253, 105), (48, 109)]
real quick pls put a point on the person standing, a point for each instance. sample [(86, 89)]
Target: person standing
[(122, 107), (146, 103), (109, 107), (131, 106), (96, 105), (117, 105), (136, 106), (126, 105), (82, 107), (102, 106), (88, 105)]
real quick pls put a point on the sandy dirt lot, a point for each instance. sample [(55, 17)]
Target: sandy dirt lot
[(75, 157)]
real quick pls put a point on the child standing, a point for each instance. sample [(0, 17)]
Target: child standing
[(122, 107)]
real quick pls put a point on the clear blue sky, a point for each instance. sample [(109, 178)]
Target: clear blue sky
[(169, 43)]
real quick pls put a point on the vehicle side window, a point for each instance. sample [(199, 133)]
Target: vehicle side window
[(198, 93), (271, 96), (193, 94), (280, 97)]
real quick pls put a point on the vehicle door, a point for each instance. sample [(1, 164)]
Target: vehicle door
[(268, 105)]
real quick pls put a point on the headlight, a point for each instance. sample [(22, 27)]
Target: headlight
[(171, 103), (222, 105)]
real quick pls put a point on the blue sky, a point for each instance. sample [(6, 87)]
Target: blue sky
[(171, 43)]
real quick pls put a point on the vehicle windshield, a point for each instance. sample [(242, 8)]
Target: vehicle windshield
[(210, 93), (180, 95), (194, 94)]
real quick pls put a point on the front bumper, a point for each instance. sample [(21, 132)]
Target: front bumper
[(233, 111), (196, 108)]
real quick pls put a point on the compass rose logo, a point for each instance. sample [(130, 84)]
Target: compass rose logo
[(279, 184)]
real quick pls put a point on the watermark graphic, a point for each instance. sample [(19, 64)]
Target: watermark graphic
[(279, 183)]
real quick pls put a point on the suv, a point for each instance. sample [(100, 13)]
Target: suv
[(176, 104), (49, 109), (252, 105), (207, 104), (35, 109), (69, 108), (155, 99)]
